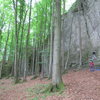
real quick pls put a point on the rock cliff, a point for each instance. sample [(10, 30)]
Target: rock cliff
[(83, 20)]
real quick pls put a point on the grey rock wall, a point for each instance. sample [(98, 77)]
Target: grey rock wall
[(90, 31)]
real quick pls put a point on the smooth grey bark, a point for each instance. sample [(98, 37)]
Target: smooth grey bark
[(21, 41), (62, 53), (51, 41), (16, 67), (62, 42), (37, 62), (43, 54), (51, 55), (27, 40), (11, 54), (33, 59), (43, 61), (56, 75)]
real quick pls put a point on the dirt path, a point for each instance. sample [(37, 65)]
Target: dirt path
[(80, 85)]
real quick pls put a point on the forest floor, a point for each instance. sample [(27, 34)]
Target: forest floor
[(79, 85)]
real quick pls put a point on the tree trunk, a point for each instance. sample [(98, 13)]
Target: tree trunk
[(33, 62), (56, 75), (27, 40), (51, 41), (21, 41), (43, 62), (16, 67)]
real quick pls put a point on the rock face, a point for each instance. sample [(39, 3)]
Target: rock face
[(86, 20)]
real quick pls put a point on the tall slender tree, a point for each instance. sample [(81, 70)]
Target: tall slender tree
[(51, 40), (56, 75), (15, 6), (27, 42)]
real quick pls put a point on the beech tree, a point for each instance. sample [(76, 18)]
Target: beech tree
[(31, 44), (56, 74)]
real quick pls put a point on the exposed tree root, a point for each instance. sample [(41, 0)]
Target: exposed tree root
[(54, 88)]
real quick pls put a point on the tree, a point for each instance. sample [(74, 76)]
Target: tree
[(15, 5), (51, 40), (27, 43), (27, 50), (57, 82)]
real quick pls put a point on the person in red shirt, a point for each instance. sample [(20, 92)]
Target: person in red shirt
[(91, 65)]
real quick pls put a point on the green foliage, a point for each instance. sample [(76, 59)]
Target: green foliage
[(39, 28)]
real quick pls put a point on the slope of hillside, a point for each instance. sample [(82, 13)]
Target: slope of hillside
[(80, 85)]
